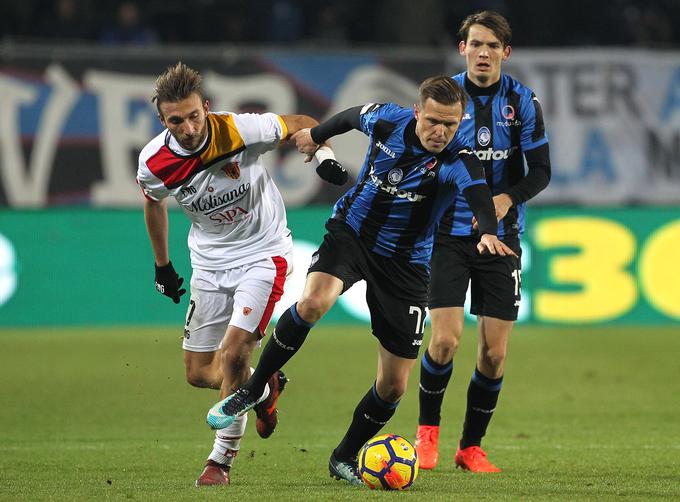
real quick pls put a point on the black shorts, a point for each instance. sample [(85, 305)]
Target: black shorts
[(495, 280), (396, 290)]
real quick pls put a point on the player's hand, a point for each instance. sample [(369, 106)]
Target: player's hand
[(491, 244), (502, 203), (304, 143), (332, 171), (168, 282)]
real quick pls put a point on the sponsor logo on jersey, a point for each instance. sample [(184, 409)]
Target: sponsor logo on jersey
[(228, 216), (483, 136), (509, 114), (491, 154), (389, 152), (509, 123), (395, 175), (215, 202), (393, 190), (467, 116)]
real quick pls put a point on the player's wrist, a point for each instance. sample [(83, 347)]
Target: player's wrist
[(324, 153)]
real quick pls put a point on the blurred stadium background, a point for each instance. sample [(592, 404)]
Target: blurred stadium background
[(600, 253)]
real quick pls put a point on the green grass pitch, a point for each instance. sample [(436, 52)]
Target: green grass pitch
[(92, 414)]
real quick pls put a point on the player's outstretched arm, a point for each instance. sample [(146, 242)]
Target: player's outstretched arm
[(482, 205), (294, 123), (313, 142)]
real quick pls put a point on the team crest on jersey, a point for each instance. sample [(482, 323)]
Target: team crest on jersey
[(508, 112), (395, 175), (232, 170), (247, 310), (483, 136)]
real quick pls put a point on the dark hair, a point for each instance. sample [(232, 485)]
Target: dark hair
[(491, 20), (442, 89), (176, 83)]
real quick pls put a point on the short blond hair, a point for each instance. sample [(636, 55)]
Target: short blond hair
[(176, 83)]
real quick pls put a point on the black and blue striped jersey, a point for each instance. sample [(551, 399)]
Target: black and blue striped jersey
[(402, 189), (502, 125)]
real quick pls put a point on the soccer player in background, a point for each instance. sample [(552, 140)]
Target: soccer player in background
[(504, 122), (239, 242), (381, 230)]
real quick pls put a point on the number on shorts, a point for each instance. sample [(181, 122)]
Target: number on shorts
[(420, 322), (192, 307), (517, 275)]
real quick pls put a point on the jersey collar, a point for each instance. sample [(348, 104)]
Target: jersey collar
[(474, 90)]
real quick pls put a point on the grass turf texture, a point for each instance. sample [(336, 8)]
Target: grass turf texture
[(89, 414)]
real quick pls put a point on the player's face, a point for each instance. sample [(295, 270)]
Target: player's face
[(484, 54), (187, 120), (436, 124)]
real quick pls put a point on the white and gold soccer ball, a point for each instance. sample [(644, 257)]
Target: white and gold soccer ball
[(388, 462)]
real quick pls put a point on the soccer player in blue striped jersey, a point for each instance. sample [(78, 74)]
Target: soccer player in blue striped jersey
[(503, 121), (382, 231)]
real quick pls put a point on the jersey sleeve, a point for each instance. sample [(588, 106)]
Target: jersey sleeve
[(464, 170), (261, 132), (372, 112), (533, 132), (152, 187)]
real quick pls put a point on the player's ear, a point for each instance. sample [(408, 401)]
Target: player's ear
[(506, 52), (206, 106), (461, 48), (416, 111), (162, 120)]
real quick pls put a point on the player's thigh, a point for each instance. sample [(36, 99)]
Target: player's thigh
[(496, 285), (340, 255), (257, 287), (450, 271), (447, 325), (208, 313), (396, 295), (319, 295)]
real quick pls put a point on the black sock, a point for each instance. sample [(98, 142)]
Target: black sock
[(434, 378), (482, 397), (369, 417), (286, 339)]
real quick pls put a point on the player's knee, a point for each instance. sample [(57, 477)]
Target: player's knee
[(392, 392), (311, 308), (442, 349), (494, 357)]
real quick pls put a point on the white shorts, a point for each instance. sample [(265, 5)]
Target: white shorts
[(243, 296)]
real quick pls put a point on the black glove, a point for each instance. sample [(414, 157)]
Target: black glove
[(332, 171), (168, 282)]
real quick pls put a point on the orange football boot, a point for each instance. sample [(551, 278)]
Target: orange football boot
[(427, 446), (473, 459)]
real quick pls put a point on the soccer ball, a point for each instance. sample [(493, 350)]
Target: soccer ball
[(388, 462)]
